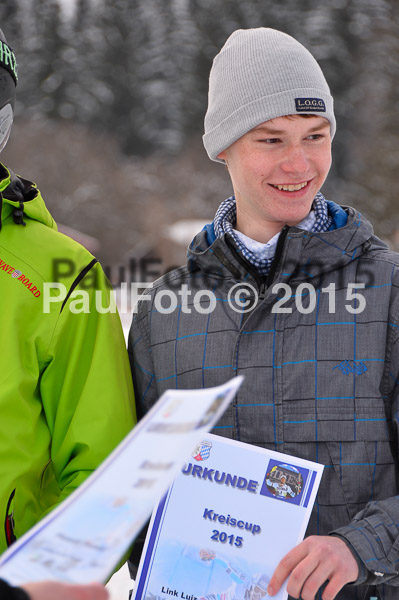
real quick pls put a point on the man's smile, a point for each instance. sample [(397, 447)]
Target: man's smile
[(290, 187)]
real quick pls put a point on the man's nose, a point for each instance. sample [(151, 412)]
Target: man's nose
[(296, 161)]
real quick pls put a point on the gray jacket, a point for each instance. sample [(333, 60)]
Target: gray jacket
[(321, 369)]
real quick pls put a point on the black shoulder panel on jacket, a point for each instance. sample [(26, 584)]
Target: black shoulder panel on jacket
[(78, 279)]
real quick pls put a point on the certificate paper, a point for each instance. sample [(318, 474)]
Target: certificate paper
[(84, 538), (230, 515)]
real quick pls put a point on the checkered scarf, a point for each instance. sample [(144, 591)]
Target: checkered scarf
[(225, 219)]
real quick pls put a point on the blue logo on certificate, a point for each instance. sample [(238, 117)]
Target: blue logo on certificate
[(202, 451), (288, 483)]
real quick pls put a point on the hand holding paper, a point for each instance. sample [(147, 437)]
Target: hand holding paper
[(86, 536), (51, 590), (313, 562)]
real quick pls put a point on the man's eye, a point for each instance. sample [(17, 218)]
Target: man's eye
[(270, 140), (315, 136)]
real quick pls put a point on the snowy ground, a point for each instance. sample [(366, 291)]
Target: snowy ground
[(120, 584)]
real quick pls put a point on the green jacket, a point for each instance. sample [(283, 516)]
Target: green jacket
[(66, 396)]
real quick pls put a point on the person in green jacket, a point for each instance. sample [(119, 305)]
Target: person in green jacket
[(66, 396)]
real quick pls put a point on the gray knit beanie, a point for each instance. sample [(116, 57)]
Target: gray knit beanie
[(261, 74)]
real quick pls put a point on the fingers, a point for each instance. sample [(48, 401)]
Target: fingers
[(48, 590), (285, 567), (305, 578), (94, 591), (311, 564)]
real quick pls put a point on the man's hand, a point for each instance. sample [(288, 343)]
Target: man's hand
[(51, 590), (314, 561)]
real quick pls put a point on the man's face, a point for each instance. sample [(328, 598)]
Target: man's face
[(276, 170)]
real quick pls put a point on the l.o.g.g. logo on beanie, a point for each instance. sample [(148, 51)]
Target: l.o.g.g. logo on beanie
[(310, 105)]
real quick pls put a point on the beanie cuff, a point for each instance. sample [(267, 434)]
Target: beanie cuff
[(291, 102)]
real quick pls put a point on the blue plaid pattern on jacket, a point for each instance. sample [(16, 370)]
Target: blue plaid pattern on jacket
[(322, 384)]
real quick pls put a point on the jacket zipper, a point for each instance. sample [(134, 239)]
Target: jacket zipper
[(263, 283), (277, 256), (244, 262)]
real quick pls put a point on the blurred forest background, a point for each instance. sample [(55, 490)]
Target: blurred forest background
[(112, 95)]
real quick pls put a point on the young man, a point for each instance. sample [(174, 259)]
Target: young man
[(315, 327), (66, 397)]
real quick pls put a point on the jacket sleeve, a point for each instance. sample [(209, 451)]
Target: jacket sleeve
[(374, 532), (141, 363), (7, 592), (374, 536), (86, 386)]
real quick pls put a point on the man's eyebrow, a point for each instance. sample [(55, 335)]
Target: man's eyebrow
[(320, 126), (267, 129)]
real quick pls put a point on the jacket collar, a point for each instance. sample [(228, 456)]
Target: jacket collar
[(14, 191), (305, 254)]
